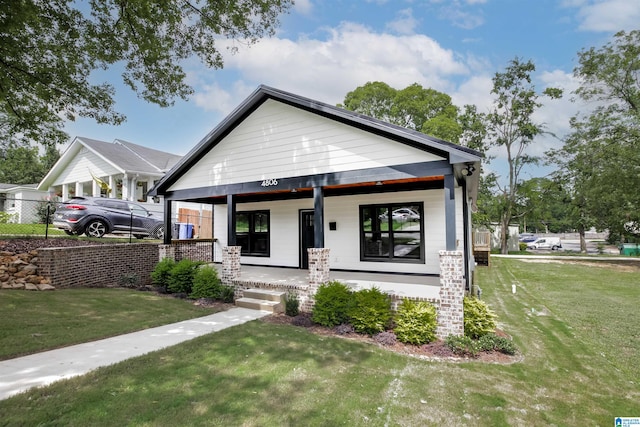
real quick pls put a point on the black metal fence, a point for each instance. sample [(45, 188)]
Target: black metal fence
[(21, 217)]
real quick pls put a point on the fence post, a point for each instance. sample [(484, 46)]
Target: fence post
[(46, 227)]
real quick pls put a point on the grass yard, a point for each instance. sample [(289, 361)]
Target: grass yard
[(10, 229), (37, 321), (576, 326)]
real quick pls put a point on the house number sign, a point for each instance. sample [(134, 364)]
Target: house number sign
[(269, 182)]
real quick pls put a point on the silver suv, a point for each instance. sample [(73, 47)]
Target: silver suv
[(96, 216)]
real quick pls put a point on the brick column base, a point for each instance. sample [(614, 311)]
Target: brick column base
[(450, 312), (318, 269), (230, 264)]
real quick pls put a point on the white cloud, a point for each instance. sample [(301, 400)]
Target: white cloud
[(405, 23), (607, 15), (303, 7), (350, 56)]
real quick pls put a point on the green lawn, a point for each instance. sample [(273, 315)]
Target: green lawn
[(37, 321), (575, 325), (29, 230)]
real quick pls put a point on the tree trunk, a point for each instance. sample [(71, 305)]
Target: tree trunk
[(583, 240), (504, 235)]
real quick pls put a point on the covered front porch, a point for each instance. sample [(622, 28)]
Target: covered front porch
[(420, 287)]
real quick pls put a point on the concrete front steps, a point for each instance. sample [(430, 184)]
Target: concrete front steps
[(262, 299)]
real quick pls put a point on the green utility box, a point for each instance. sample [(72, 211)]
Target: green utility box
[(629, 249)]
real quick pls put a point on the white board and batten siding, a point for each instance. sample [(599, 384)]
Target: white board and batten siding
[(82, 166), (278, 141), (344, 242)]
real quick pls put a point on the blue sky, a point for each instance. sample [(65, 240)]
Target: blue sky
[(324, 49)]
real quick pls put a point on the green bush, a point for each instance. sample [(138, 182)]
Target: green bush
[(332, 304), (161, 272), (492, 342), (181, 276), (206, 283), (415, 322), (479, 320), (291, 304), (522, 246), (370, 312), (462, 345), (227, 293)]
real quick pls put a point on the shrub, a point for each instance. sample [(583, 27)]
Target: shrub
[(181, 276), (161, 272), (492, 342), (522, 246), (462, 345), (371, 311), (227, 293), (415, 322), (291, 304), (479, 320), (332, 304), (206, 283), (386, 338), (129, 280)]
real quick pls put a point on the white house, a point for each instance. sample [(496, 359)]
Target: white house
[(20, 202), (287, 173), (96, 168)]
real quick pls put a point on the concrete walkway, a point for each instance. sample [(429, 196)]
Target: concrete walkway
[(18, 375)]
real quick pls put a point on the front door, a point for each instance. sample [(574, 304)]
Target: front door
[(306, 237)]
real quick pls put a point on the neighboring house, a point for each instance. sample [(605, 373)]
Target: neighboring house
[(120, 169), (287, 173), (20, 202)]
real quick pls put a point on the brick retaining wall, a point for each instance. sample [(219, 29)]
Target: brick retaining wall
[(98, 265)]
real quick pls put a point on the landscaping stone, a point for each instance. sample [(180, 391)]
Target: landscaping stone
[(20, 271)]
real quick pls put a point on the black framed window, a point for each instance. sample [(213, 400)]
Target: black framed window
[(392, 232), (252, 232)]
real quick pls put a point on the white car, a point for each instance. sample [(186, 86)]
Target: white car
[(552, 243)]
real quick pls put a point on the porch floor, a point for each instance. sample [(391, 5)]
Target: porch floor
[(399, 284)]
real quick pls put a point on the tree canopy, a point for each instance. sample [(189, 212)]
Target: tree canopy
[(422, 109), (49, 49), (23, 165), (599, 158)]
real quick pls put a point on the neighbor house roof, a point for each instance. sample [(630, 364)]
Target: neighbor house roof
[(124, 156), (457, 155)]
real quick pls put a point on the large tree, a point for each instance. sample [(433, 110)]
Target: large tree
[(49, 49), (511, 128), (24, 165), (422, 109), (599, 158)]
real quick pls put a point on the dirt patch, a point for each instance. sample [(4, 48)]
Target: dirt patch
[(629, 266), (436, 350)]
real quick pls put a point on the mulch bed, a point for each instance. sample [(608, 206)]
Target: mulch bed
[(436, 350)]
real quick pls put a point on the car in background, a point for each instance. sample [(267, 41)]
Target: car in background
[(97, 216), (527, 237), (552, 243), (402, 214)]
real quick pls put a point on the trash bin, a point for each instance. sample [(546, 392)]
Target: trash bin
[(175, 230), (629, 249), (186, 230)]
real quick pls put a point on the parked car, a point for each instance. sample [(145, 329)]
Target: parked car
[(527, 237), (552, 243), (402, 214), (97, 216)]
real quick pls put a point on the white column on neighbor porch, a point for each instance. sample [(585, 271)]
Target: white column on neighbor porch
[(79, 188), (65, 191), (125, 187), (112, 186), (95, 188)]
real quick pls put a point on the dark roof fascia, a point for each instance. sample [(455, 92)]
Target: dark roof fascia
[(452, 152)]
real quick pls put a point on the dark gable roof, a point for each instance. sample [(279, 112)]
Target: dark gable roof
[(455, 153), (132, 157)]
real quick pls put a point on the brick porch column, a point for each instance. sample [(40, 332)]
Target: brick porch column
[(230, 264), (318, 269), (450, 312)]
